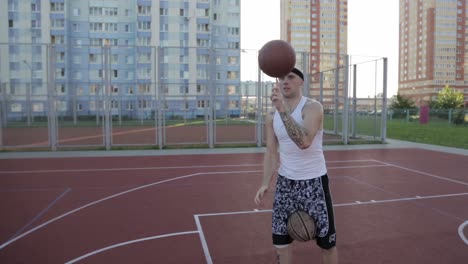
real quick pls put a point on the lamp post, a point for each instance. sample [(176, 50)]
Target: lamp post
[(28, 93)]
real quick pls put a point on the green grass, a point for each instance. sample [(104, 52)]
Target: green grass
[(434, 133)]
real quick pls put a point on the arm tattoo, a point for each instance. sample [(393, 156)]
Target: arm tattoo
[(295, 131)]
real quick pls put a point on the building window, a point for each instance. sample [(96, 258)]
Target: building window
[(232, 60), (55, 23), (144, 25), (35, 7), (183, 89), (144, 88), (231, 75), (76, 12), (16, 107), (164, 27), (76, 27), (56, 7), (144, 10), (233, 31)]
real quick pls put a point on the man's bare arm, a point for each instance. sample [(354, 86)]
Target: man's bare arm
[(270, 162), (303, 136)]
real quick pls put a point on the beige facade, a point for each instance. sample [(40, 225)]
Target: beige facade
[(432, 48), (317, 29)]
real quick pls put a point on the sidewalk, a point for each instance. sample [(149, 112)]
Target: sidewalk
[(391, 143)]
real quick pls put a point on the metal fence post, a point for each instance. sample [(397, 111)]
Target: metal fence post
[(305, 69), (52, 116), (321, 88), (106, 104), (3, 114), (383, 127), (354, 100), (336, 100), (1, 119), (158, 114), (345, 127), (259, 124)]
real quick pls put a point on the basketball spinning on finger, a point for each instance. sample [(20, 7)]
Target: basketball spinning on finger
[(276, 58)]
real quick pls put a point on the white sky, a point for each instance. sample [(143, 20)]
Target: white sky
[(372, 31)]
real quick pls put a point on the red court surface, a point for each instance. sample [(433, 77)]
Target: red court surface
[(391, 206)]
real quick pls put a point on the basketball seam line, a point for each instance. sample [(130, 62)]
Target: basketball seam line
[(304, 225)]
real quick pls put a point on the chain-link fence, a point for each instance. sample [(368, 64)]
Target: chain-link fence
[(58, 97)]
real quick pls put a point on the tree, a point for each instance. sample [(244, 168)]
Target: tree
[(402, 102), (449, 98)]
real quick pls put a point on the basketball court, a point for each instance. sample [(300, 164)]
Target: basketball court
[(393, 205)]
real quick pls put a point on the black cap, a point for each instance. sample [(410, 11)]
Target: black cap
[(298, 72)]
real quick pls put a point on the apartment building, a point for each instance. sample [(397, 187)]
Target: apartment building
[(317, 29), (142, 55), (433, 47)]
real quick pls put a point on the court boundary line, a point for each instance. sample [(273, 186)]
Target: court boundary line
[(174, 179), (175, 167), (403, 199), (423, 173), (125, 243), (130, 169), (461, 234), (254, 211), (8, 242), (206, 250), (230, 172), (375, 187), (205, 244)]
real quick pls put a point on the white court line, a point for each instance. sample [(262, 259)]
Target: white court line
[(128, 243), (358, 166), (206, 251), (254, 211), (171, 168), (158, 168), (424, 173), (345, 204), (205, 244), (460, 232), (130, 169), (142, 187), (113, 196)]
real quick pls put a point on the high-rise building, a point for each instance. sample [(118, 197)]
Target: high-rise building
[(138, 52), (317, 30), (432, 47)]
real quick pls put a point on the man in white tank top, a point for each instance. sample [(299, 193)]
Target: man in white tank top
[(294, 129)]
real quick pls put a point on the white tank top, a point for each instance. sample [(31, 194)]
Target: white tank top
[(296, 163)]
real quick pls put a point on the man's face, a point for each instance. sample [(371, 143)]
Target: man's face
[(291, 85)]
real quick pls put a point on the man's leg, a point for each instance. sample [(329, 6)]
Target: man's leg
[(283, 254), (330, 256)]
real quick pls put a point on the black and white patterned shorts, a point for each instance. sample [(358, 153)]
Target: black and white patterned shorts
[(312, 196)]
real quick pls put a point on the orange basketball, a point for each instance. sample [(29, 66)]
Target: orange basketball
[(276, 58)]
